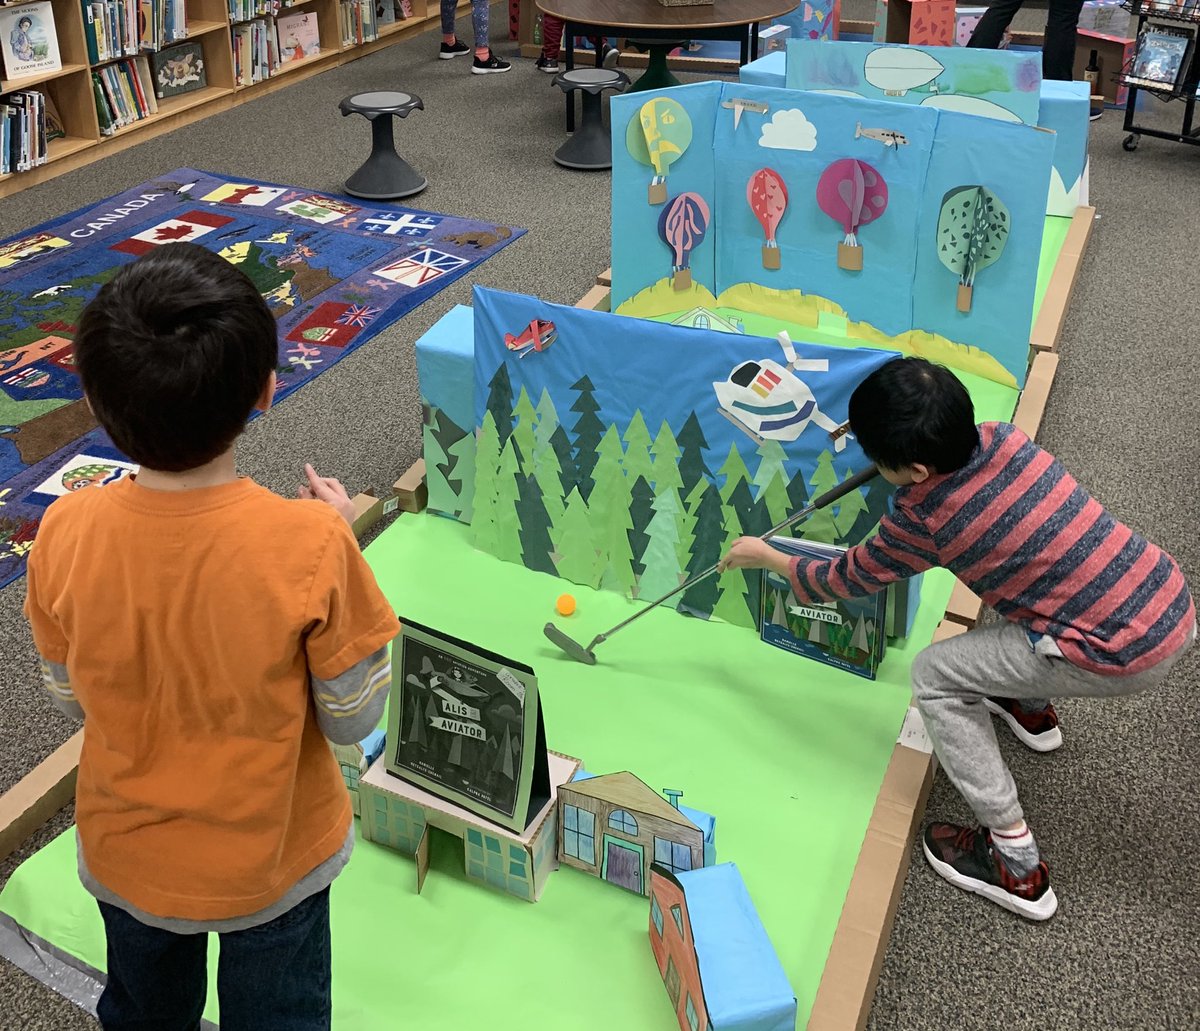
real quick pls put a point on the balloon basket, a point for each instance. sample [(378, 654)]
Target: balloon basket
[(657, 194), (682, 279), (850, 257), (770, 256), (964, 298)]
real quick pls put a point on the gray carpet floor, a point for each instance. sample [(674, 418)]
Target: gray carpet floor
[(1115, 810)]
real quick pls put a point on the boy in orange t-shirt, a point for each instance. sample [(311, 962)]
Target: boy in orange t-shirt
[(211, 635)]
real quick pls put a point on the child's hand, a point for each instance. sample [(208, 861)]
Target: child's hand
[(329, 490), (754, 553)]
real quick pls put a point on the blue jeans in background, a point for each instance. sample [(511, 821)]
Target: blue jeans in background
[(275, 976)]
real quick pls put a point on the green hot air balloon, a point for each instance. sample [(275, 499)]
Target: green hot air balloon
[(972, 230), (657, 137)]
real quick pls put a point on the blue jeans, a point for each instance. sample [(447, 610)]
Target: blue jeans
[(276, 975), (479, 20)]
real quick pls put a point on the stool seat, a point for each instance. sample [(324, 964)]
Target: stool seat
[(385, 175), (594, 80), (591, 146), (381, 102)]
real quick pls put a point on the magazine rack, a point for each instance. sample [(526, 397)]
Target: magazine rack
[(1174, 12)]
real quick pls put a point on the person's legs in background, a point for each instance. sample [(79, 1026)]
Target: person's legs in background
[(485, 61), (552, 40), (989, 32), (1058, 51)]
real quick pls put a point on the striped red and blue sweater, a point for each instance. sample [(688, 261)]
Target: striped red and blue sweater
[(1015, 527)]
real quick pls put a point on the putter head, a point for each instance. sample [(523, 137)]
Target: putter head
[(572, 648)]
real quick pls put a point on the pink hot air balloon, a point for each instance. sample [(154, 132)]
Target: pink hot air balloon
[(767, 193), (852, 193), (682, 225)]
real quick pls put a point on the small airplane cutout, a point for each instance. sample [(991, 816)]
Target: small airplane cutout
[(539, 336), (888, 137)]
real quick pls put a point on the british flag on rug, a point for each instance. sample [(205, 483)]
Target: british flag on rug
[(334, 271)]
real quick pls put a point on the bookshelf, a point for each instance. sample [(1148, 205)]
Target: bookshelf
[(208, 23)]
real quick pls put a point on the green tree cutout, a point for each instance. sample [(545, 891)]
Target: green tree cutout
[(972, 230), (637, 450), (850, 508), (588, 430), (661, 557), (820, 526), (547, 466), (507, 518), (771, 479), (484, 534), (523, 431), (578, 559)]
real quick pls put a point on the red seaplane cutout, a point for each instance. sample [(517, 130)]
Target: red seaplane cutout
[(539, 336)]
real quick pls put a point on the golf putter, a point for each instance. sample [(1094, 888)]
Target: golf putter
[(588, 655)]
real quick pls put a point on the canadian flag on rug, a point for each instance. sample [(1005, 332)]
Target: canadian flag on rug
[(183, 229)]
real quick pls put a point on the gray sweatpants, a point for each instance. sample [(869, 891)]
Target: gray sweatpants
[(950, 680)]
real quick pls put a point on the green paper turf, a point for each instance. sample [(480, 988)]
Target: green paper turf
[(787, 754), (1053, 238)]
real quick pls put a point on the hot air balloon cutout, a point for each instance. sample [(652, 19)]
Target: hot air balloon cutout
[(657, 136), (972, 230), (852, 193), (767, 195), (682, 226)]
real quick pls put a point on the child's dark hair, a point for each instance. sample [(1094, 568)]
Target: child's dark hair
[(911, 412), (173, 354)]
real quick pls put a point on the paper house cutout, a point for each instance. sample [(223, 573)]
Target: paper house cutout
[(399, 815), (713, 954), (615, 827), (354, 760), (706, 318)]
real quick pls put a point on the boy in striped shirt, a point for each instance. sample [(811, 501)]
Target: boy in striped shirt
[(1090, 608), (211, 635)]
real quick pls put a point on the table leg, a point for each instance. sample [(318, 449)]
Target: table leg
[(754, 42), (657, 75), (569, 60), (744, 56)]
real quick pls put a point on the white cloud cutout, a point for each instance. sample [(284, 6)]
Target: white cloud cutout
[(789, 130)]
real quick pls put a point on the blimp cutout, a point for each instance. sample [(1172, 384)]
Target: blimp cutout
[(896, 70)]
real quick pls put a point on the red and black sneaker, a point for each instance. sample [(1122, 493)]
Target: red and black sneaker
[(1039, 730), (966, 857)]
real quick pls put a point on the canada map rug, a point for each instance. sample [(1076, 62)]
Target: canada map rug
[(334, 273)]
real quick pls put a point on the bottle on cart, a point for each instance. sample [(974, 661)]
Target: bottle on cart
[(1091, 75)]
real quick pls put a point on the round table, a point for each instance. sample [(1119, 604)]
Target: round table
[(736, 20)]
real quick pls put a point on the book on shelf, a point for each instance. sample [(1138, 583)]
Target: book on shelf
[(118, 28), (161, 22), (1161, 57), (385, 12), (179, 69), (255, 51), (24, 131), (28, 41), (123, 93), (849, 634), (358, 22), (298, 37), (247, 10)]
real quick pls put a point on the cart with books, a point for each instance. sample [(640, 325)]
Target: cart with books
[(1164, 65)]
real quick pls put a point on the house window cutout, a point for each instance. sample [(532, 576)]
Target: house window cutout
[(671, 854), (693, 1018), (702, 322), (677, 914), (656, 914), (672, 982), (579, 834), (622, 821)]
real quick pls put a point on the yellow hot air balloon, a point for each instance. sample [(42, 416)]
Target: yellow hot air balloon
[(657, 137)]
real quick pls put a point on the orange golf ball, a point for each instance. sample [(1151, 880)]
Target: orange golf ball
[(565, 604)]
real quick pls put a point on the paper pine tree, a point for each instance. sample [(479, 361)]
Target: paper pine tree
[(462, 454), (692, 446), (708, 538), (820, 526), (666, 460), (637, 450), (484, 534), (732, 472), (611, 489), (733, 601), (972, 230), (588, 430), (523, 432), (500, 402), (850, 508), (641, 512), (578, 560), (534, 526), (661, 557), (508, 522)]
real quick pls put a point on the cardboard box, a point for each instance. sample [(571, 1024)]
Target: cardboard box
[(368, 510), (410, 490), (919, 22), (1114, 53), (398, 815), (773, 38)]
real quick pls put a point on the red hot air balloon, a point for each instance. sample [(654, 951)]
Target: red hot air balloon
[(852, 193), (682, 225), (767, 194)]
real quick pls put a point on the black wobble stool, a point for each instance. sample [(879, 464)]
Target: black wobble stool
[(385, 175), (591, 146)]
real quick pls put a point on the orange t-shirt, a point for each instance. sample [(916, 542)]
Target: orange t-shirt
[(189, 623)]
